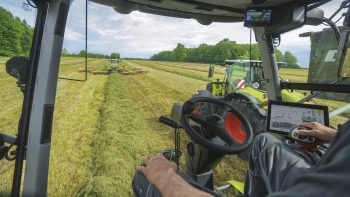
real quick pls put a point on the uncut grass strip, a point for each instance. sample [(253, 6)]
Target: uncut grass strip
[(121, 141), (178, 72)]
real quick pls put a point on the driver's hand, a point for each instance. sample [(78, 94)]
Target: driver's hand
[(318, 131), (156, 168)]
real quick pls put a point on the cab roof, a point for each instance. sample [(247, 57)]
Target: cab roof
[(204, 11), (255, 62)]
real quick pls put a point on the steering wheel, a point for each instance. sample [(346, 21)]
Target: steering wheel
[(214, 126)]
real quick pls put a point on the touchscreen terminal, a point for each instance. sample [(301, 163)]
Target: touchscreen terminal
[(284, 116), (258, 17)]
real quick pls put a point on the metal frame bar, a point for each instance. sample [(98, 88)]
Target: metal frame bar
[(40, 99), (269, 63), (340, 110), (28, 97), (339, 88)]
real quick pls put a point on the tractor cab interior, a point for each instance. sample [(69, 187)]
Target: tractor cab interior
[(216, 123)]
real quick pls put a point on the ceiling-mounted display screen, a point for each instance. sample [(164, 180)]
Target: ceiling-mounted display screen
[(258, 17)]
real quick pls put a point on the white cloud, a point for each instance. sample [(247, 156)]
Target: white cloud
[(71, 35), (142, 35)]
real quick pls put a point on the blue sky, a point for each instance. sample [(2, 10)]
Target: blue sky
[(142, 35)]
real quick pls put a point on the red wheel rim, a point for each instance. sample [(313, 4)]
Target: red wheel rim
[(234, 126)]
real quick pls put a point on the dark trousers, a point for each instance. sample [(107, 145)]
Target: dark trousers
[(143, 188), (274, 165)]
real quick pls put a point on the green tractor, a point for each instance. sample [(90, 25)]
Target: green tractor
[(246, 77)]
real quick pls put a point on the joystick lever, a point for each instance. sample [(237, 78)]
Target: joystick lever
[(172, 155)]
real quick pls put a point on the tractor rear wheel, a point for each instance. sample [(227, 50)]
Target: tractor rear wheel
[(257, 121)]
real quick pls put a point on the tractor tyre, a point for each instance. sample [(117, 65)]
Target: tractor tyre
[(257, 121)]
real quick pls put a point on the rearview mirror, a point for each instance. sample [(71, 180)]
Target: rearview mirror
[(211, 71), (314, 17), (17, 67)]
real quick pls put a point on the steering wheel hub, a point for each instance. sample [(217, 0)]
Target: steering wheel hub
[(216, 119)]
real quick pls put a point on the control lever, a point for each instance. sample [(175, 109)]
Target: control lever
[(170, 122), (172, 155)]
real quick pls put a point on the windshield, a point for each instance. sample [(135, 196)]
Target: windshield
[(16, 32), (104, 126)]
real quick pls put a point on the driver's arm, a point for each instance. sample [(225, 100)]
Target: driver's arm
[(318, 131), (162, 174)]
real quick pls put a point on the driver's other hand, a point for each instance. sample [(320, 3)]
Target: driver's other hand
[(318, 131), (156, 167)]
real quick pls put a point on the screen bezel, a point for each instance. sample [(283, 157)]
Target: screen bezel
[(258, 24), (309, 106)]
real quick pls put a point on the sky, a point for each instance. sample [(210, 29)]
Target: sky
[(141, 35)]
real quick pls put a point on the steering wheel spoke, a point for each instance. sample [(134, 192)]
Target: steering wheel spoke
[(198, 119), (223, 111), (225, 136)]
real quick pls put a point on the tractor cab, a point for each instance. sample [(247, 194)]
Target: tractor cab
[(243, 73), (238, 74), (246, 73), (219, 122)]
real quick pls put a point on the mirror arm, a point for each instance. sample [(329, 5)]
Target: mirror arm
[(335, 28)]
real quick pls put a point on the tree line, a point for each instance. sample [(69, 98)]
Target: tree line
[(82, 53), (218, 53), (15, 35)]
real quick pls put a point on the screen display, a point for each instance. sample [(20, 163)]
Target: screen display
[(258, 17), (283, 117)]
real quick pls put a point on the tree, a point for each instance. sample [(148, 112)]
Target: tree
[(291, 60), (180, 53), (223, 50), (64, 52), (218, 53), (15, 35), (279, 55), (82, 53)]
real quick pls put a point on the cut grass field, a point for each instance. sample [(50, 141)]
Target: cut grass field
[(103, 127)]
